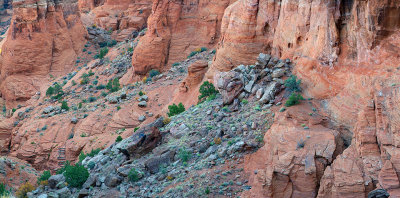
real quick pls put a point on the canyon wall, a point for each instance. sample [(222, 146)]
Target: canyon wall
[(347, 53), (44, 38), (176, 28)]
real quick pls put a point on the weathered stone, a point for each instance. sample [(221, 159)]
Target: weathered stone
[(55, 179), (153, 164)]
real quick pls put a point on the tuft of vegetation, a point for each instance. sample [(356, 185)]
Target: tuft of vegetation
[(64, 105), (76, 175), (3, 190), (55, 92), (245, 102), (206, 90), (293, 84), (197, 51), (294, 99), (92, 99), (136, 128), (119, 139), (102, 53), (153, 73), (166, 121), (133, 175), (300, 144), (24, 189), (43, 177), (141, 93), (175, 109), (184, 155), (113, 85)]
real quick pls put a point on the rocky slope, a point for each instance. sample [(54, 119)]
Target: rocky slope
[(342, 142)]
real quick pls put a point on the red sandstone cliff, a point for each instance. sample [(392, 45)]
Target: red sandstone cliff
[(175, 28), (44, 38)]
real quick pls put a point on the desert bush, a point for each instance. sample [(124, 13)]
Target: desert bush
[(113, 85), (153, 73), (44, 177), (102, 53), (166, 121), (24, 189), (133, 175), (76, 175), (100, 87), (292, 84), (3, 190), (175, 109), (64, 105), (184, 155), (206, 89), (300, 144), (119, 139), (294, 99)]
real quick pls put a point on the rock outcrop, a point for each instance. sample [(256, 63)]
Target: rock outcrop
[(175, 28), (44, 38)]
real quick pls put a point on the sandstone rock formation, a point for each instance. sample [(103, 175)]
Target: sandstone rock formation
[(346, 52), (175, 28), (44, 38), (127, 17)]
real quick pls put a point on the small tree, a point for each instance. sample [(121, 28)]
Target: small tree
[(64, 105), (292, 84), (206, 89), (175, 109)]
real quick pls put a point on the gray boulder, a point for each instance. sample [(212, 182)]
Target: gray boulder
[(55, 179)]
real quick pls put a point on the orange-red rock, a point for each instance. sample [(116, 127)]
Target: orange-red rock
[(43, 39), (175, 28)]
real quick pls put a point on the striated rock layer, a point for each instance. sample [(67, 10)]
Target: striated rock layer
[(347, 53), (44, 38), (176, 28)]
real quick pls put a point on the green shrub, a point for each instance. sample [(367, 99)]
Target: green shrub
[(206, 89), (300, 144), (80, 105), (113, 85), (245, 102), (76, 175), (292, 84), (175, 64), (64, 105), (175, 109), (3, 190), (153, 73), (100, 87), (44, 176), (119, 139), (294, 99), (14, 110), (136, 128), (184, 155), (103, 52), (133, 175), (50, 91), (111, 43), (141, 93), (73, 83), (92, 99), (55, 90)]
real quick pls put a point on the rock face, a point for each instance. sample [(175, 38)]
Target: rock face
[(346, 52), (126, 16), (175, 28), (43, 39)]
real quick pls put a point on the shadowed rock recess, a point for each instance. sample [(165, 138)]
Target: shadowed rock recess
[(200, 98)]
